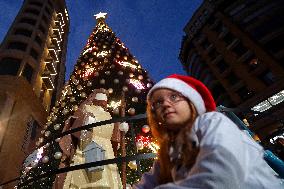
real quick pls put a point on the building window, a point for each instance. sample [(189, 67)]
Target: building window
[(41, 28), (239, 49), (31, 133), (24, 32), (232, 78), (36, 3), (34, 54), (211, 20), (267, 77), (218, 90), (32, 11), (9, 66), (228, 38), (17, 45), (276, 44), (47, 11), (44, 18), (42, 91), (50, 3), (205, 44), (222, 65), (28, 72), (213, 54), (28, 21), (244, 93), (38, 40)]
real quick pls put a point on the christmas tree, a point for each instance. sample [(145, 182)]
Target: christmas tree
[(107, 66)]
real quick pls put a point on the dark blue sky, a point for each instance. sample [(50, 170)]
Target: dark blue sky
[(151, 29)]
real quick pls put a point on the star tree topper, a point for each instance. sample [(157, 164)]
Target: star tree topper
[(100, 15)]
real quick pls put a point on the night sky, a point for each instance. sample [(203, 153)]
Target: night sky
[(151, 29)]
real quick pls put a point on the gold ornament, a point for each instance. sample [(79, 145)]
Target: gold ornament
[(57, 155), (79, 87), (102, 81), (116, 81), (54, 118), (47, 133), (131, 111), (134, 99), (75, 108), (145, 128), (132, 164), (140, 77), (89, 83), (72, 99), (83, 95), (45, 159), (69, 92), (131, 75), (110, 90), (116, 111), (56, 126), (139, 145), (124, 88), (149, 85), (65, 111)]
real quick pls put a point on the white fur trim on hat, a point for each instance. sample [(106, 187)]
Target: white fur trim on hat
[(183, 88)]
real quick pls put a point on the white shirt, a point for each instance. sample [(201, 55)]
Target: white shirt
[(228, 159)]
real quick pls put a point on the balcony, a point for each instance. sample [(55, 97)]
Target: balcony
[(53, 53), (46, 78), (51, 66), (55, 44)]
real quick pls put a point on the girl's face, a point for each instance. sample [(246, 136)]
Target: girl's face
[(172, 109)]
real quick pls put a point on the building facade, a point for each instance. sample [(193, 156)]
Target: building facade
[(236, 49), (32, 73)]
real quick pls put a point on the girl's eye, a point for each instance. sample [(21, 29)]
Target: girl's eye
[(157, 104), (173, 97)]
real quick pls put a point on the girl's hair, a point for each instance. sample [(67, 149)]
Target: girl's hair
[(163, 137)]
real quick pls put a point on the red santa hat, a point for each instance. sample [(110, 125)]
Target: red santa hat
[(189, 87)]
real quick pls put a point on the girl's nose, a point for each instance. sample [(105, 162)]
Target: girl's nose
[(166, 103)]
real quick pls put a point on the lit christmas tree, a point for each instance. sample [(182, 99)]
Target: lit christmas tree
[(107, 72)]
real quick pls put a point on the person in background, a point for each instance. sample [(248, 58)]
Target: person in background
[(199, 147)]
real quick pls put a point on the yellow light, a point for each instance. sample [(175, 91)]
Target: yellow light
[(114, 104), (127, 64)]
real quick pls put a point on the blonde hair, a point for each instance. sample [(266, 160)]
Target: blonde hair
[(163, 136)]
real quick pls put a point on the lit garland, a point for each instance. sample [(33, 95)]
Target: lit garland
[(89, 50), (102, 54), (137, 84), (114, 104), (127, 64), (88, 72)]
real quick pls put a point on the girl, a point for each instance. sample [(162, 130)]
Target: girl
[(199, 147)]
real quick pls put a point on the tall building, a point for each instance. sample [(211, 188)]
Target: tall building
[(32, 73), (236, 49)]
